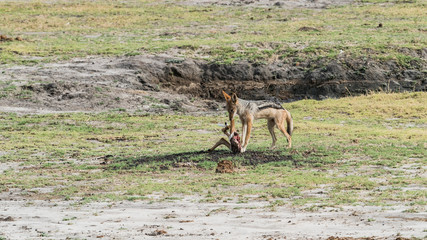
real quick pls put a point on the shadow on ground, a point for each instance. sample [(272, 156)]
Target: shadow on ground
[(249, 158)]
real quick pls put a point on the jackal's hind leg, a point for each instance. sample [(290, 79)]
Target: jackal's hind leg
[(283, 130), (244, 129), (271, 124), (222, 141)]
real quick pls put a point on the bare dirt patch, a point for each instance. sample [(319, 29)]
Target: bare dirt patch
[(92, 85), (191, 219)]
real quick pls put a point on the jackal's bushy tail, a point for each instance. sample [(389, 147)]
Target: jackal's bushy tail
[(289, 123)]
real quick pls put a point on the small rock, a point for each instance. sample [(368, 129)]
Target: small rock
[(156, 233), (7, 219)]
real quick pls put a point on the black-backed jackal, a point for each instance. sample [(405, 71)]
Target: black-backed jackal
[(248, 111)]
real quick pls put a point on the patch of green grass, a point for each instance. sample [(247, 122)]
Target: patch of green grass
[(65, 29), (357, 150), (7, 88), (215, 211), (69, 219), (274, 204), (207, 165)]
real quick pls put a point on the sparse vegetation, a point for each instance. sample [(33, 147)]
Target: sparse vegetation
[(361, 153), (52, 30)]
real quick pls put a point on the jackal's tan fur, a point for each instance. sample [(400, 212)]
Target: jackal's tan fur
[(248, 111)]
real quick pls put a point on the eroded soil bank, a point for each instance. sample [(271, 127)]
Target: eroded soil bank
[(170, 84)]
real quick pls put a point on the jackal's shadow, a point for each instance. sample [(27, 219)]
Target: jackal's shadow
[(245, 159)]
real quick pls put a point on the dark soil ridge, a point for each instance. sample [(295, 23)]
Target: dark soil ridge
[(167, 84), (311, 79)]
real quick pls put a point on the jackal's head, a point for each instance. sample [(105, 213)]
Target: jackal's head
[(231, 105)]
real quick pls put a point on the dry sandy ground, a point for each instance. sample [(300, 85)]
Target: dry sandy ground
[(189, 219)]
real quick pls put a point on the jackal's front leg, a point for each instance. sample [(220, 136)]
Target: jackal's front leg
[(246, 134)]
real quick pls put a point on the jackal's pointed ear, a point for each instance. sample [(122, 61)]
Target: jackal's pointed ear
[(227, 97), (234, 97)]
